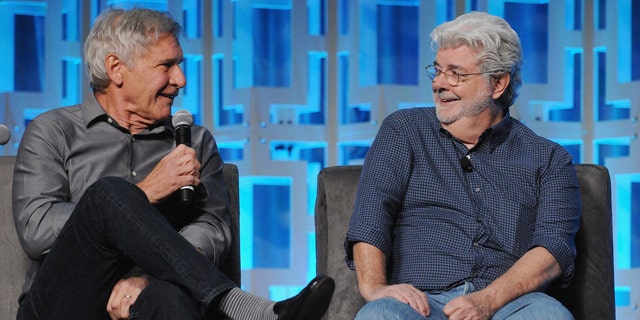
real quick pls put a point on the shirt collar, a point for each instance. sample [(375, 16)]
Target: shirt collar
[(93, 113), (494, 135)]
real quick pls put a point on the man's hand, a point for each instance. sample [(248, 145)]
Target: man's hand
[(124, 295), (474, 306), (177, 169), (404, 293)]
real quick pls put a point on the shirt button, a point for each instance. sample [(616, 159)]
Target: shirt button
[(477, 189), (109, 120), (475, 243), (133, 173)]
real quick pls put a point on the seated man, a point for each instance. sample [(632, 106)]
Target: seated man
[(462, 212), (95, 201)]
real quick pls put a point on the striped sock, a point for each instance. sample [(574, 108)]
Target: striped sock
[(239, 304)]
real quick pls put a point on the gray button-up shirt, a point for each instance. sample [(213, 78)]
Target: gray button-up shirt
[(65, 150)]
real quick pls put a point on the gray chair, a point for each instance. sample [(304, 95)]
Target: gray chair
[(14, 262), (590, 295)]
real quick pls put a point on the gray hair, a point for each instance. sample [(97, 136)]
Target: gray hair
[(498, 44), (127, 33)]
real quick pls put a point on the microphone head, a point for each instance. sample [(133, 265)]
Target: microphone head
[(5, 134), (182, 118)]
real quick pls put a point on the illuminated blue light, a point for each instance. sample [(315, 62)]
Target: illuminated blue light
[(530, 21), (265, 222), (353, 152), (623, 296), (571, 109), (272, 47), (225, 115), (635, 40), (398, 43), (607, 110)]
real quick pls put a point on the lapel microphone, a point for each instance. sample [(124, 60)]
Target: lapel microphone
[(466, 165)]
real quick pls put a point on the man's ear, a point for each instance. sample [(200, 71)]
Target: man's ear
[(500, 84), (114, 68)]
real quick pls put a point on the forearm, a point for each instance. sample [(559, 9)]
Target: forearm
[(533, 272), (370, 265)]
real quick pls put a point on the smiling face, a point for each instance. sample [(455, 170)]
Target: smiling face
[(150, 85), (471, 96)]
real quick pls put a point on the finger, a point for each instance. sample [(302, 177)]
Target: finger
[(418, 301), (125, 305)]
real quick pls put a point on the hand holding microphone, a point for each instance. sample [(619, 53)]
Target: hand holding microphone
[(182, 121)]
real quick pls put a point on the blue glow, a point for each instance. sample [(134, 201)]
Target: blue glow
[(398, 44), (530, 21), (272, 47), (574, 147), (611, 148), (29, 53), (191, 18), (635, 41), (571, 109), (224, 115), (623, 296), (607, 110), (265, 222), (354, 152), (191, 94), (622, 232), (316, 17), (71, 75)]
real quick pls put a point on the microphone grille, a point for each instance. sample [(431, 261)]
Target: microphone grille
[(182, 118), (5, 134)]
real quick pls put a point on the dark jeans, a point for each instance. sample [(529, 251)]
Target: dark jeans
[(113, 228)]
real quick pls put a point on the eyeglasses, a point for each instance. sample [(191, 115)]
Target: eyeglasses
[(453, 78)]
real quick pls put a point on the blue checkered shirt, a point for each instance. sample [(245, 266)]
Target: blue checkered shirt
[(440, 225)]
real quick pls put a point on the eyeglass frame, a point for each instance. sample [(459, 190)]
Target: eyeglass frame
[(438, 71)]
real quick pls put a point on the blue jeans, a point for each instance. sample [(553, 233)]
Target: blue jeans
[(532, 306), (112, 229)]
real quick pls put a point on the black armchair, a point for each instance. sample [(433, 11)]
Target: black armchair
[(590, 295)]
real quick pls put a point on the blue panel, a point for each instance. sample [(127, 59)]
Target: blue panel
[(577, 20), (531, 22), (314, 155), (398, 44), (601, 15), (316, 17), (611, 151), (635, 225), (272, 47), (575, 150), (225, 117), (606, 111), (218, 23), (29, 53), (353, 154), (573, 113), (343, 17), (321, 75), (231, 154), (623, 296), (271, 226), (635, 40)]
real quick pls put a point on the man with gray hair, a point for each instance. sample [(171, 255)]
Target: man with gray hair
[(462, 212), (95, 196)]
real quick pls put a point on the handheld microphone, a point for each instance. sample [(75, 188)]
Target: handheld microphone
[(5, 134), (466, 165), (182, 121)]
